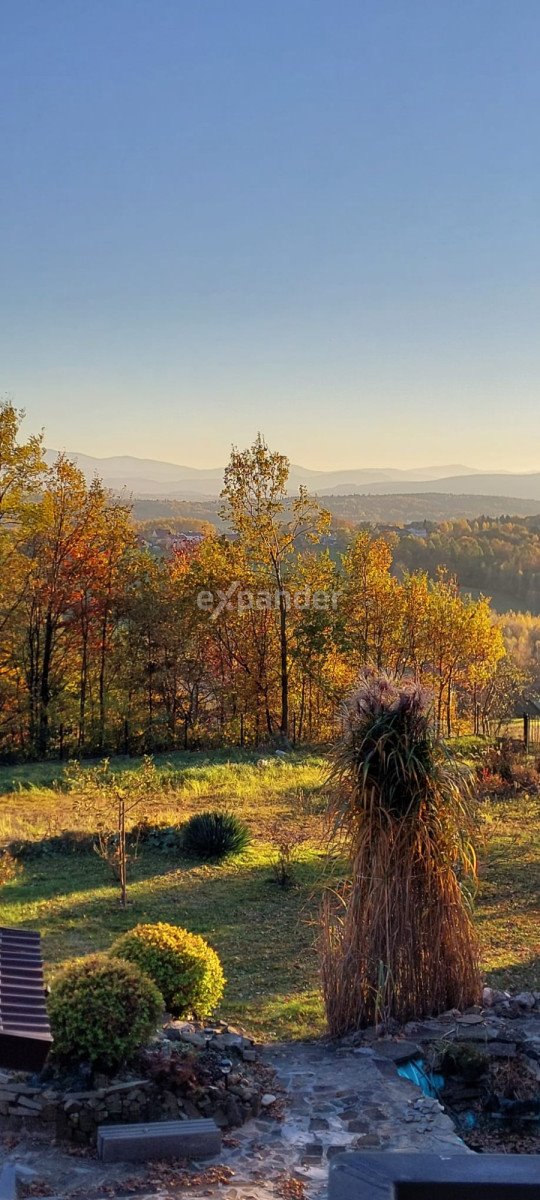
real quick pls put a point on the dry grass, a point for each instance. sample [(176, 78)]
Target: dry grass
[(397, 940)]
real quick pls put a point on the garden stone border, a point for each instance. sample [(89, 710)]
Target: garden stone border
[(76, 1115)]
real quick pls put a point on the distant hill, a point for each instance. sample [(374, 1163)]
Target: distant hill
[(428, 506), (149, 477), (356, 510), (146, 476), (526, 487)]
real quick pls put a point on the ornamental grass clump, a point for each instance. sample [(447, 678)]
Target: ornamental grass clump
[(397, 940), (213, 835), (184, 967), (101, 1011)]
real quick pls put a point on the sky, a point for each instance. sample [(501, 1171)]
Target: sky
[(315, 218)]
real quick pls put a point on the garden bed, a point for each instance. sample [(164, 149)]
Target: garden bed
[(189, 1071), (483, 1066)]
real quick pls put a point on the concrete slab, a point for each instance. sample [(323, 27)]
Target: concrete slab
[(158, 1140)]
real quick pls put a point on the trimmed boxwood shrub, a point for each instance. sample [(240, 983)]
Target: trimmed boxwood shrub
[(184, 967), (102, 1009), (213, 835)]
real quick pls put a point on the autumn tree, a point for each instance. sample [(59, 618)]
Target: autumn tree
[(21, 470), (70, 535), (371, 604), (271, 528), (314, 624)]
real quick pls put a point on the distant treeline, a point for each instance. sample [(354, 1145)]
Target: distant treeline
[(498, 556), (114, 640), (356, 510), (487, 555)]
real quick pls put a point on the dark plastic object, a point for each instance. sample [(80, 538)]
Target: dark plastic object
[(387, 1176)]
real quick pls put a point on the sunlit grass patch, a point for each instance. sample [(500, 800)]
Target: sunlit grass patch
[(265, 936), (508, 903)]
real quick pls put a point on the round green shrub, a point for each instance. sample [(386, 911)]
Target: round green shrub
[(101, 1010), (213, 835), (184, 967)]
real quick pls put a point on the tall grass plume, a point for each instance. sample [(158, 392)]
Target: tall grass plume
[(397, 940)]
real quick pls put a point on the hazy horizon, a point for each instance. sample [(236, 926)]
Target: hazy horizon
[(308, 466)]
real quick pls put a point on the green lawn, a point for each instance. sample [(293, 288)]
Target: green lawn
[(508, 904), (265, 936)]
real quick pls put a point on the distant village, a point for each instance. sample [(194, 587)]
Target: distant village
[(162, 543)]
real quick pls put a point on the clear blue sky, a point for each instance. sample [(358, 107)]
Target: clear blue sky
[(320, 218)]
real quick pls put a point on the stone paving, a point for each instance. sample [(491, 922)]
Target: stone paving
[(328, 1098)]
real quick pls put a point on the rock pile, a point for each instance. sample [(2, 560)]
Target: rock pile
[(487, 1064), (190, 1071)]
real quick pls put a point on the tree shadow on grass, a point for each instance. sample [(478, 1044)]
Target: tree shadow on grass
[(517, 976), (264, 935)]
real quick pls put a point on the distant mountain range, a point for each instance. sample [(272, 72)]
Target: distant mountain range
[(149, 477)]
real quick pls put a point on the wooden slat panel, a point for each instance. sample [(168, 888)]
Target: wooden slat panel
[(25, 1035)]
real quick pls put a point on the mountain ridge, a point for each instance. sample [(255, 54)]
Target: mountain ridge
[(151, 477)]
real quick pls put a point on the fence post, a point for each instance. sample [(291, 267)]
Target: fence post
[(526, 729)]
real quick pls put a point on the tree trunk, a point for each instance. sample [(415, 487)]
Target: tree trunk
[(284, 723), (83, 682), (122, 865), (45, 688), (102, 665)]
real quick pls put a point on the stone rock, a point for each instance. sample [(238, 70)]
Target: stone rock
[(526, 1000), (397, 1052), (313, 1150), (268, 1099), (28, 1105), (508, 1008), (318, 1123), (493, 996), (233, 1111), (367, 1141), (501, 1049), (178, 1032), (373, 1112), (478, 1033)]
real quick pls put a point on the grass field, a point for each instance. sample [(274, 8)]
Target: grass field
[(265, 936)]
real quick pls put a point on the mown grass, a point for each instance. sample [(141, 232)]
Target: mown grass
[(31, 806), (508, 903), (266, 936)]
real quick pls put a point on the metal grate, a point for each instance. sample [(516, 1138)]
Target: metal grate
[(25, 1035)]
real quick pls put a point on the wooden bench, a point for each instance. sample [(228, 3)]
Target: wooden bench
[(158, 1139)]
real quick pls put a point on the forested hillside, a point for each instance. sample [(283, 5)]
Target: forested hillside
[(356, 510), (500, 558)]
